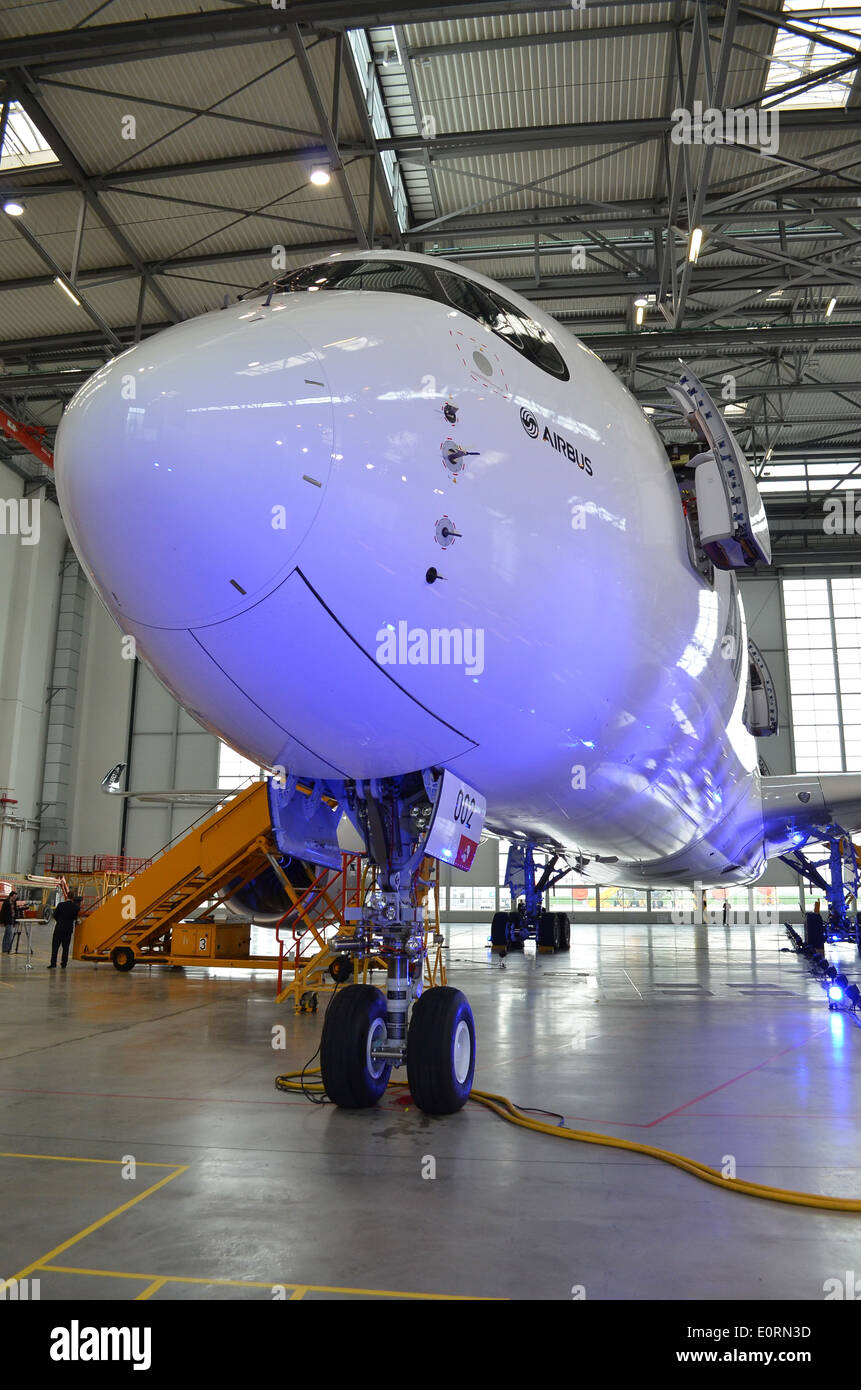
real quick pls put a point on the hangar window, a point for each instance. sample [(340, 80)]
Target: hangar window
[(234, 771), (383, 277), (520, 331), (823, 645)]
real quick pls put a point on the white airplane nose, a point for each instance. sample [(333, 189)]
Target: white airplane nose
[(191, 468)]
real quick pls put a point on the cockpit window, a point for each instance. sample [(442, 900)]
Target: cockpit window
[(384, 277), (485, 306), (518, 329), (474, 300), (539, 347)]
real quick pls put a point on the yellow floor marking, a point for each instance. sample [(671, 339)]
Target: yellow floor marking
[(148, 1292), (156, 1281), (66, 1158), (102, 1221), (257, 1284)]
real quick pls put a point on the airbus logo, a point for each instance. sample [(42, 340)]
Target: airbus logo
[(529, 422), (557, 441)]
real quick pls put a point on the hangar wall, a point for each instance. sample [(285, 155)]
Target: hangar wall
[(171, 750), (65, 704), (166, 749), (32, 543)]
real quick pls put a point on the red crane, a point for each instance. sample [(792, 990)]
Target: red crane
[(31, 436)]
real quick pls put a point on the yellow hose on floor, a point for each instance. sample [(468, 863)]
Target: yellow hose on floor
[(507, 1110)]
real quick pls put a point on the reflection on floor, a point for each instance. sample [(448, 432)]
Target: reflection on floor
[(199, 1180)]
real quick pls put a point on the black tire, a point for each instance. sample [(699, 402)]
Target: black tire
[(547, 934), (441, 1051), (564, 932), (123, 958), (499, 929), (355, 1014)]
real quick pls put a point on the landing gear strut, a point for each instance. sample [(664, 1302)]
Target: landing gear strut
[(366, 1034), (840, 888)]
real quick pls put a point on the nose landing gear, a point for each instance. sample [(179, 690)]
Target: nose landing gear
[(366, 1034)]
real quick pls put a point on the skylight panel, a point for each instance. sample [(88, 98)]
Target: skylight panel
[(795, 56), (24, 145)]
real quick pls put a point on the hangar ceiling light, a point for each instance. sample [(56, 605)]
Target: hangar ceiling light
[(60, 282)]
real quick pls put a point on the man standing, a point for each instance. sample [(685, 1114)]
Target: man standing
[(8, 917), (65, 915)]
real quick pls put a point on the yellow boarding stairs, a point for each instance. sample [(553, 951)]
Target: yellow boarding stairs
[(142, 919)]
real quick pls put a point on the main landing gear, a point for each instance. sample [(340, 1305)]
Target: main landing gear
[(365, 1033), (840, 888), (509, 930), (528, 917)]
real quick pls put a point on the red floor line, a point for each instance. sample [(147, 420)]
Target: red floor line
[(733, 1079)]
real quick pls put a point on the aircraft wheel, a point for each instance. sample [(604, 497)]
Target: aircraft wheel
[(498, 931), (441, 1051), (547, 934), (123, 958), (564, 932), (355, 1019)]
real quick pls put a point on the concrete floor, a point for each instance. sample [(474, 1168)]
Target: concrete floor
[(710, 1042)]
